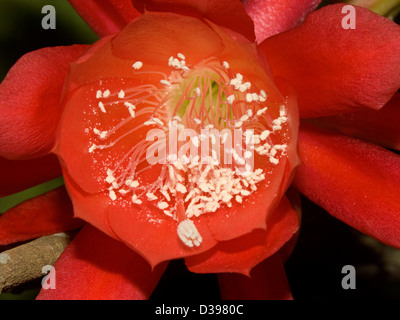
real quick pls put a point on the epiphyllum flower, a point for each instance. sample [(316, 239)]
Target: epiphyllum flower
[(128, 118)]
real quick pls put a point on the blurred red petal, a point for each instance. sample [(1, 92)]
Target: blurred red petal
[(105, 16), (46, 214), (226, 13), (272, 17), (96, 267), (242, 254), (380, 127), (267, 282), (22, 174), (337, 70), (355, 181), (30, 101)]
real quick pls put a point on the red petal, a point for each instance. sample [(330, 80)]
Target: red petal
[(295, 200), (96, 267), (226, 13), (106, 16), (335, 69), (148, 40), (29, 104), (355, 181), (380, 127), (242, 254), (46, 214), (268, 282), (20, 175), (90, 207), (272, 17)]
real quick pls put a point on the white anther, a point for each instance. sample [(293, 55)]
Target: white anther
[(112, 195), (165, 82), (101, 106), (137, 65), (136, 200)]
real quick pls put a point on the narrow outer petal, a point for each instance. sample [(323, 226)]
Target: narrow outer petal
[(267, 282), (105, 17), (20, 175), (46, 214), (242, 254), (272, 17), (230, 14), (96, 267), (380, 127), (29, 101), (338, 70), (355, 181)]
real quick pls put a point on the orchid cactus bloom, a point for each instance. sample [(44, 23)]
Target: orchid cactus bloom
[(178, 135)]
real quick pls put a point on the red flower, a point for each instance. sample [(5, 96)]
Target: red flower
[(192, 65)]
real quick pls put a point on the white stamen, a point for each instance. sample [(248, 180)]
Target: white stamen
[(264, 135), (137, 65), (136, 200), (163, 205), (132, 183), (261, 111), (112, 195), (181, 188), (110, 176), (100, 134), (165, 82), (189, 234), (92, 148), (101, 106), (282, 111), (195, 141)]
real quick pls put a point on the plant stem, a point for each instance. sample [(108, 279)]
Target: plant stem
[(25, 262)]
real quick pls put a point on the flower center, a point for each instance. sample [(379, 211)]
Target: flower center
[(208, 131)]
